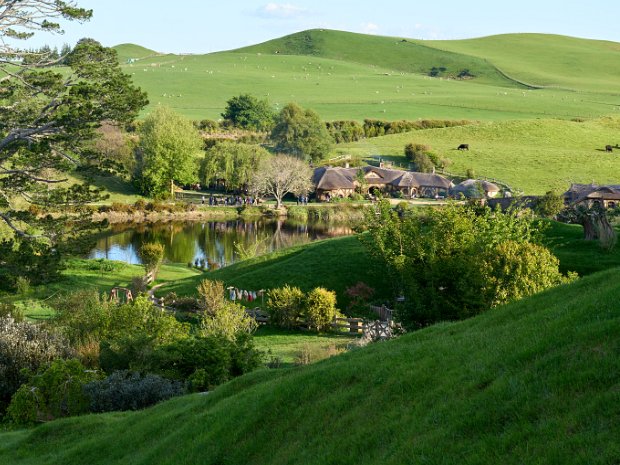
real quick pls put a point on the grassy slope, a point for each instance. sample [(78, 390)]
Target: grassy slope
[(406, 55), (339, 263), (547, 60), (133, 52), (353, 76), (534, 156), (532, 382), (333, 263)]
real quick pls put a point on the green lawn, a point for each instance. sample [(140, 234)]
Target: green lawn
[(332, 263), (285, 348), (528, 383)]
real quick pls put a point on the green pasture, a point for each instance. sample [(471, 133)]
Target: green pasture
[(533, 156), (547, 60), (353, 76), (532, 382)]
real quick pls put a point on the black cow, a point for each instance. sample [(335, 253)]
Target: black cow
[(463, 147), (608, 148)]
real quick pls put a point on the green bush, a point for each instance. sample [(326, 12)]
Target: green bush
[(181, 359), (24, 348), (221, 317), (285, 306), (320, 308), (10, 310), (130, 390), (151, 254), (345, 131), (56, 392)]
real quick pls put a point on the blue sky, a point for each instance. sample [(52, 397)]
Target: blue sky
[(201, 26)]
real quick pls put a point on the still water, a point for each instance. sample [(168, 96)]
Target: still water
[(218, 243)]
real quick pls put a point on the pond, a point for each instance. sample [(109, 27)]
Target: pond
[(218, 243)]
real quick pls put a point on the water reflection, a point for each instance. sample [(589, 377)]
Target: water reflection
[(212, 241)]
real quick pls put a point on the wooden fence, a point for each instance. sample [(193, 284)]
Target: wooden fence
[(383, 313)]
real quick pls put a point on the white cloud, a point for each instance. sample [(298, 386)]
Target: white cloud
[(281, 10), (370, 28)]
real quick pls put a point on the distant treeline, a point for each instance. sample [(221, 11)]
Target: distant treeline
[(351, 131), (342, 131)]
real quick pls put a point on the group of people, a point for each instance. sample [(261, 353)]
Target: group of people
[(302, 200), (237, 294), (230, 201)]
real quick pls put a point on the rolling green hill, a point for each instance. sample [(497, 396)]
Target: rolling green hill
[(547, 60), (133, 52), (537, 381), (398, 54), (353, 76)]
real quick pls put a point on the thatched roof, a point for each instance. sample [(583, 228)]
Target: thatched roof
[(328, 178), (580, 192), (474, 188), (416, 179)]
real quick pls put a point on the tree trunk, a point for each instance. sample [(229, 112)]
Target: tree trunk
[(172, 189), (589, 230)]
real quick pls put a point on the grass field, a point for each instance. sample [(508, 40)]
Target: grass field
[(353, 76), (533, 156), (528, 383), (332, 263)]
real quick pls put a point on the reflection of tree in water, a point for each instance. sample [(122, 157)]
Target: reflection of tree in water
[(214, 241)]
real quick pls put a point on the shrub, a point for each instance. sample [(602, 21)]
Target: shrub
[(285, 306), (10, 310), (181, 359), (130, 390), (320, 308), (227, 320), (515, 270), (24, 346), (420, 156), (345, 131), (151, 254), (222, 318), (83, 316), (54, 393)]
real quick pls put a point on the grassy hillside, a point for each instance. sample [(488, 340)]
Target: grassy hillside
[(133, 52), (532, 382), (534, 156), (354, 76), (332, 263), (406, 55), (547, 60)]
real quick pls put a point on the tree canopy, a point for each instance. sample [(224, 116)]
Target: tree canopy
[(281, 175), (169, 146), (248, 112), (231, 162), (47, 114), (300, 132), (457, 261)]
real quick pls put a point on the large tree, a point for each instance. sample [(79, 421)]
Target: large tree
[(47, 113), (169, 147), (457, 261), (281, 175), (232, 162), (248, 112), (300, 132)]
